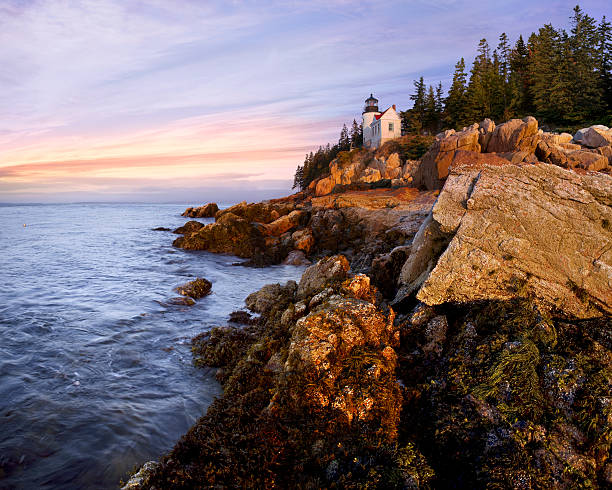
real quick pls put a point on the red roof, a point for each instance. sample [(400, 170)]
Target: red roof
[(378, 116)]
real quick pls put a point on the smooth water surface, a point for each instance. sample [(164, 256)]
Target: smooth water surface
[(95, 366)]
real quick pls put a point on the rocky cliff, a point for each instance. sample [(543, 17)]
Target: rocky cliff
[(464, 339)]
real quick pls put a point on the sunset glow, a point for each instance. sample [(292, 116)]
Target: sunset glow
[(108, 99)]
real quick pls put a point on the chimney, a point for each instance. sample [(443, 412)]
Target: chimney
[(394, 107)]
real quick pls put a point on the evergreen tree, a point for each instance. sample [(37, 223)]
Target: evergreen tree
[(604, 57), (430, 117), (344, 143), (503, 50), (519, 80), (479, 88), (456, 100), (417, 113), (298, 178), (583, 44), (545, 56), (356, 135)]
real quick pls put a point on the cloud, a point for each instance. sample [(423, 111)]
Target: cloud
[(106, 81)]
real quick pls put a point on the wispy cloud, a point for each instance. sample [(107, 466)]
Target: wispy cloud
[(97, 82)]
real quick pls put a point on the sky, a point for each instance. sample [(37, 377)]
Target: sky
[(197, 101)]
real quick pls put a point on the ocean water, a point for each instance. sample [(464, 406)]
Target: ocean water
[(95, 364)]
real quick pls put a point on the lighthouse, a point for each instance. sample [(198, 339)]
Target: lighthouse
[(370, 111), (379, 127)]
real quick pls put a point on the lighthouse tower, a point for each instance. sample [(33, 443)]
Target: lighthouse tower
[(370, 111)]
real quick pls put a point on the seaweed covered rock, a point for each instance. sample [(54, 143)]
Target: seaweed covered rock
[(517, 230), (507, 397), (189, 227), (310, 399), (229, 234), (207, 211), (196, 289)]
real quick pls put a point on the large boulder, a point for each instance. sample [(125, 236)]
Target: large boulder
[(324, 186), (514, 135), (434, 166), (261, 212), (267, 297), (229, 234), (518, 230), (207, 211), (327, 270), (594, 136), (196, 289), (285, 223)]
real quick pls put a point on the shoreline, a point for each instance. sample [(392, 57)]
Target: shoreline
[(434, 327)]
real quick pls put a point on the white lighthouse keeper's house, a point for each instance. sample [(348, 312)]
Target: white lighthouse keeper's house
[(379, 127)]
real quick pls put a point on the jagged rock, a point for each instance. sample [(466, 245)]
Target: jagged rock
[(535, 230), (587, 160), (594, 136), (195, 289), (393, 161), (296, 257), (370, 174), (393, 173), (207, 211), (303, 240), (229, 234), (189, 227), (261, 212), (556, 139), (268, 296), (342, 330), (514, 135), (285, 223), (385, 270), (409, 169), (319, 275), (324, 186), (434, 166), (485, 129)]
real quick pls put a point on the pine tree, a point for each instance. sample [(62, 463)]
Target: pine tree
[(479, 88), (519, 80), (356, 135), (584, 56), (344, 143), (298, 178), (545, 56), (604, 57), (503, 50), (417, 113), (430, 118), (456, 100)]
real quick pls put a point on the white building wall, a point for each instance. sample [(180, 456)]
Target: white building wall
[(368, 135)]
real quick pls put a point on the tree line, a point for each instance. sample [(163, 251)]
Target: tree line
[(563, 78), (317, 163)]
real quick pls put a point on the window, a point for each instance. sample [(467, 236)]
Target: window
[(390, 127)]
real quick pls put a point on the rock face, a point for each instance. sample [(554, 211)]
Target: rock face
[(514, 135), (535, 230), (436, 162), (207, 211), (327, 270)]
